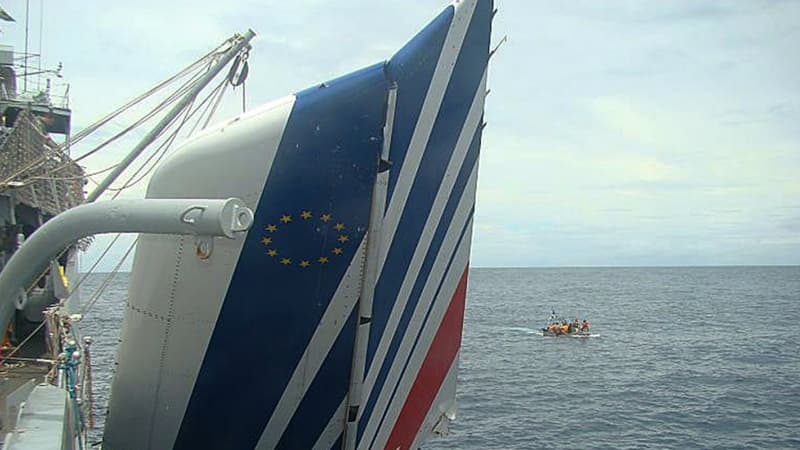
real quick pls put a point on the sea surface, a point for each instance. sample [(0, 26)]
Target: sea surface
[(700, 357)]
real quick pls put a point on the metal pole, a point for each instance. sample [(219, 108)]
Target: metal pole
[(167, 119), (39, 60), (25, 58), (192, 216)]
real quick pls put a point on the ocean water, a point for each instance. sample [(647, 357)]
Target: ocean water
[(703, 357)]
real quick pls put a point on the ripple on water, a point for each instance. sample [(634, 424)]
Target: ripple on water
[(686, 358)]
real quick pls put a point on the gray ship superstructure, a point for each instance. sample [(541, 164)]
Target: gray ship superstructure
[(38, 181)]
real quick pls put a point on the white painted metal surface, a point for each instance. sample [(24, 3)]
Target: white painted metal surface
[(202, 217), (175, 297)]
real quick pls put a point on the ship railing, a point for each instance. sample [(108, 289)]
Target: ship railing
[(37, 84)]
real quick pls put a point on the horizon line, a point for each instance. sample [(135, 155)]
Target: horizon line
[(688, 266)]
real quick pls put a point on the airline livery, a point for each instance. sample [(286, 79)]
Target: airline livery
[(335, 321)]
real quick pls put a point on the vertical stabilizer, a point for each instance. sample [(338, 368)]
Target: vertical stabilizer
[(255, 344)]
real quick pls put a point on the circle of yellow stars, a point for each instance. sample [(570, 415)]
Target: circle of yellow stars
[(305, 215)]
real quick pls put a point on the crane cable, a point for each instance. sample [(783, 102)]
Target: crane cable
[(206, 59), (216, 93)]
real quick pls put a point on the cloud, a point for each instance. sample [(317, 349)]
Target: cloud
[(622, 133)]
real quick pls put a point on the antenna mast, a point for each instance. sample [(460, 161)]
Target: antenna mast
[(25, 57)]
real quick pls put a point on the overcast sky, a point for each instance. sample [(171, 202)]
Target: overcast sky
[(619, 132)]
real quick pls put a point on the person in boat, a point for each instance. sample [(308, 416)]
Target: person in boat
[(576, 325), (585, 326), (564, 327)]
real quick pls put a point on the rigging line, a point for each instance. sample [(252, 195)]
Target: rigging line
[(85, 275), (188, 114), (166, 102), (45, 157), (38, 162), (21, 344), (93, 181), (80, 281), (89, 305), (210, 59), (165, 146), (160, 151), (44, 272), (160, 107), (193, 66), (211, 101), (206, 59), (39, 177), (217, 94), (216, 104), (108, 279), (92, 128)]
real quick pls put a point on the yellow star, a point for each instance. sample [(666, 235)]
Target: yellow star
[(286, 218), (339, 226), (272, 252), (305, 215), (322, 259), (266, 240), (343, 238), (271, 228), (337, 251), (304, 263), (326, 218), (286, 261)]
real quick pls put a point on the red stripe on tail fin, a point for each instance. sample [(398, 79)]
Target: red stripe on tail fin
[(434, 369)]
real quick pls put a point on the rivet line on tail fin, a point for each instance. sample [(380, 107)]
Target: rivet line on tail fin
[(168, 327)]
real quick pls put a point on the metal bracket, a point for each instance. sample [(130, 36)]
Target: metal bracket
[(242, 218), (204, 247)]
